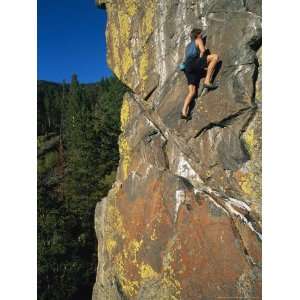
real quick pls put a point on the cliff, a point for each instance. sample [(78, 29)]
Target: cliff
[(183, 218)]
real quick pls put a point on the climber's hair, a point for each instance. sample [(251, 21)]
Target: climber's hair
[(194, 33)]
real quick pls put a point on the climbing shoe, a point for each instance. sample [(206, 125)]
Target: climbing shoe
[(203, 91), (188, 117), (210, 86)]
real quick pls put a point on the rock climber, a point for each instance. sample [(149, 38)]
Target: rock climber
[(196, 59)]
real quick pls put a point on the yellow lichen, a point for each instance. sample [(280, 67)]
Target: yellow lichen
[(127, 61), (146, 272), (147, 22), (123, 38), (125, 111), (124, 150), (153, 235), (125, 258), (133, 248), (117, 71), (127, 266), (143, 69), (124, 32), (114, 227), (249, 176), (115, 222), (250, 141), (250, 185), (129, 287), (169, 281), (115, 45), (246, 183), (258, 91), (110, 245), (208, 173), (131, 7), (124, 25)]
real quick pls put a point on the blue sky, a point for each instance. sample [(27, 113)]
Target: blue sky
[(71, 39)]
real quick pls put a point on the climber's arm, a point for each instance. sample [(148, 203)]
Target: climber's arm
[(200, 44)]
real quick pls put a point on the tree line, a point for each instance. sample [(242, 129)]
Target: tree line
[(78, 129)]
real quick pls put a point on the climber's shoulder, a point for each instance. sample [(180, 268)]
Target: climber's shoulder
[(198, 41)]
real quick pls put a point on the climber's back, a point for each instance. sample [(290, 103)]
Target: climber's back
[(191, 52)]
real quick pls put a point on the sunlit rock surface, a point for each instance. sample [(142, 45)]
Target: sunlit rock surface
[(183, 219)]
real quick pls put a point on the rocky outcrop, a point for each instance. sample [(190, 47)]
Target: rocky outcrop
[(183, 219)]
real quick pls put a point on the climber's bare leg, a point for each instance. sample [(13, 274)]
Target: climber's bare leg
[(188, 99), (212, 61)]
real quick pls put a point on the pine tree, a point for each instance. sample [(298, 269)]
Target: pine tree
[(72, 178)]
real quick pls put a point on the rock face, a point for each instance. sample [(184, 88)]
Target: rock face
[(183, 219)]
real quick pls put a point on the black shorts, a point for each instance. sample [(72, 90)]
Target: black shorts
[(194, 69)]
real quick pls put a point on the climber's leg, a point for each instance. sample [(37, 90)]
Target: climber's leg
[(212, 61), (188, 99)]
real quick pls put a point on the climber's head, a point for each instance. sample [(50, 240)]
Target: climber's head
[(195, 33)]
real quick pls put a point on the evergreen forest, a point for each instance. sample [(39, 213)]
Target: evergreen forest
[(77, 130)]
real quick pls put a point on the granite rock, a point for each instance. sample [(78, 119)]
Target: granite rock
[(183, 218)]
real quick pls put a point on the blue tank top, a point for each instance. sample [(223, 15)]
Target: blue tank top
[(192, 52)]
